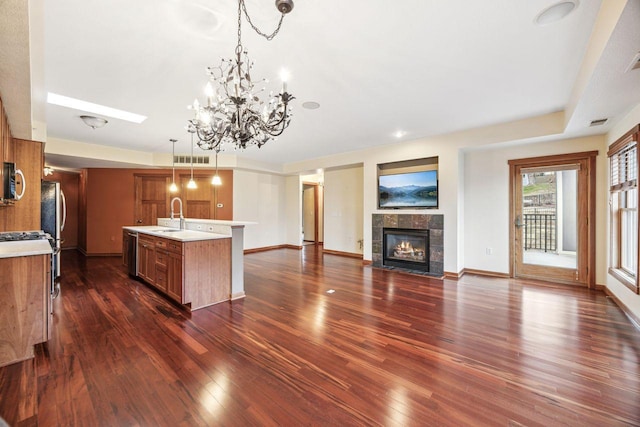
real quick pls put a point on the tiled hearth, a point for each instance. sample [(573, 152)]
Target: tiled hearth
[(433, 223)]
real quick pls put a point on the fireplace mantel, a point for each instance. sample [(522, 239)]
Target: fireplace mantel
[(433, 223)]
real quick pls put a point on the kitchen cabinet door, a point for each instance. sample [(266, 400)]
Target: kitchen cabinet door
[(174, 277), (146, 260)]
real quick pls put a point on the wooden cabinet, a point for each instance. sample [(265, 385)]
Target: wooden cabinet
[(24, 214), (169, 260), (195, 273), (175, 277), (6, 141), (24, 306), (147, 258)]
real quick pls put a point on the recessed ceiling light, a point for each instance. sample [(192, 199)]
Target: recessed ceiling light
[(77, 104), (556, 12), (399, 133), (310, 105)]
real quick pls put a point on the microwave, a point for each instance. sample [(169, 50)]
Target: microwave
[(9, 173)]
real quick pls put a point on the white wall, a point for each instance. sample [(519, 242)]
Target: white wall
[(486, 205), (343, 209), (451, 173), (262, 198), (294, 210), (624, 294)]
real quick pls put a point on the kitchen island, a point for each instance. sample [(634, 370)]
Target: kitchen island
[(192, 268)]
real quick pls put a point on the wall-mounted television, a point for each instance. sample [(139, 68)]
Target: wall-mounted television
[(410, 190)]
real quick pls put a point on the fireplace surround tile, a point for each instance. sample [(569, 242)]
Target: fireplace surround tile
[(390, 221), (420, 222), (405, 221), (436, 237), (433, 223)]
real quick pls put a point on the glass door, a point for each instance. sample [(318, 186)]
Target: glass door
[(550, 221)]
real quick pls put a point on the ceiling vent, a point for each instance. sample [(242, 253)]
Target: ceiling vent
[(186, 160), (635, 63), (598, 122)]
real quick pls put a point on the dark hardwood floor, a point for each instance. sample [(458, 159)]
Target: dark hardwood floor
[(384, 349)]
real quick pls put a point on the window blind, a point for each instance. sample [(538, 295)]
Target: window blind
[(624, 167)]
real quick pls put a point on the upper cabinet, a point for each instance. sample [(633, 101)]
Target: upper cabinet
[(6, 148), (6, 144)]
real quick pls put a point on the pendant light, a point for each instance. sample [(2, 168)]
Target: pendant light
[(216, 178), (192, 184), (173, 188)]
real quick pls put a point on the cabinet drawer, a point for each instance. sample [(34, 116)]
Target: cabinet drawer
[(162, 257), (175, 247), (169, 245), (161, 277)]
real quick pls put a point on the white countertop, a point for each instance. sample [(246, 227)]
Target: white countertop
[(24, 248), (216, 221), (174, 233)]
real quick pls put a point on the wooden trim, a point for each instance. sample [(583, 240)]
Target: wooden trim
[(237, 296), (340, 253), (614, 262), (635, 320), (623, 141), (485, 273), (453, 276), (271, 248), (591, 224), (119, 254), (316, 209), (588, 160), (550, 160), (366, 262)]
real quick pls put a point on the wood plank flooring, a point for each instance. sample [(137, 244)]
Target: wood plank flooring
[(384, 348)]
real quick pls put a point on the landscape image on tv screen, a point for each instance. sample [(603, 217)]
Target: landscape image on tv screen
[(408, 190)]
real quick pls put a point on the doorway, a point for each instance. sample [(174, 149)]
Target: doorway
[(312, 213), (552, 218)]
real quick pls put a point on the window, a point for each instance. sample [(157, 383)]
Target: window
[(623, 193)]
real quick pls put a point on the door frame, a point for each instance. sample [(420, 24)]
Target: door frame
[(589, 230), (316, 210)]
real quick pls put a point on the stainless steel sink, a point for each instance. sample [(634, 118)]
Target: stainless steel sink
[(166, 231)]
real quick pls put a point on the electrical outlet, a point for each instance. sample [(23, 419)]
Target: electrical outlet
[(489, 251)]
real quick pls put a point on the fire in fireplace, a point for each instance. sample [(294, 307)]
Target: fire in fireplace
[(406, 248)]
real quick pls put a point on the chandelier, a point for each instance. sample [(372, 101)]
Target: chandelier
[(233, 112)]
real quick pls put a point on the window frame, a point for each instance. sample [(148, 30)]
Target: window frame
[(617, 192)]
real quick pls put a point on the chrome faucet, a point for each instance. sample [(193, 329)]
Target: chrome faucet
[(182, 222)]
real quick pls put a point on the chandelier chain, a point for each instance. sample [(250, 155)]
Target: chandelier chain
[(256, 29)]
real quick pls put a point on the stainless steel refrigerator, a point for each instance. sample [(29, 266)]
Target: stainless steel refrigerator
[(52, 218)]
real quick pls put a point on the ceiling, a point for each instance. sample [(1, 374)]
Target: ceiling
[(426, 67)]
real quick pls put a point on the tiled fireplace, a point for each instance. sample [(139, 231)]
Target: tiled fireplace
[(408, 242)]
